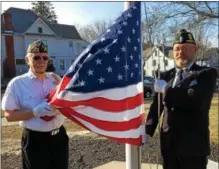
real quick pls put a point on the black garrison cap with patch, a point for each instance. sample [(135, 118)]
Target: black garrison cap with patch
[(37, 47), (183, 36)]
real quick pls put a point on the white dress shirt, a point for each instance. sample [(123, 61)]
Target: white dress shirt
[(27, 91)]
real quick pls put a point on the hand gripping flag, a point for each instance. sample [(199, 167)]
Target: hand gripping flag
[(102, 90)]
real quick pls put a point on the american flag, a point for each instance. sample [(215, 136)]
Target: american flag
[(103, 90)]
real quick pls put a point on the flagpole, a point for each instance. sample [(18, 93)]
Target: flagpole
[(132, 153)]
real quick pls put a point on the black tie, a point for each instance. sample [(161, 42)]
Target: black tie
[(179, 77)]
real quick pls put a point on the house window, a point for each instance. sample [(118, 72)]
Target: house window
[(40, 30), (62, 64), (155, 53), (166, 62), (154, 63), (70, 44), (20, 62), (77, 46), (154, 73)]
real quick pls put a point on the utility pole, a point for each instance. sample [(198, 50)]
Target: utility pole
[(163, 48)]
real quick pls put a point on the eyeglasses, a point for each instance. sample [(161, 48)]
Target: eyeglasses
[(40, 58)]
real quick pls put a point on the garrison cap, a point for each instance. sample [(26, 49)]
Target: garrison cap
[(183, 36), (37, 47)]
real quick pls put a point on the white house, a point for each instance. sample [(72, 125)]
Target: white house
[(210, 58), (213, 57), (155, 57), (21, 27)]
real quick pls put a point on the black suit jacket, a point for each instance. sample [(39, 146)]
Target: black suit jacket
[(187, 109)]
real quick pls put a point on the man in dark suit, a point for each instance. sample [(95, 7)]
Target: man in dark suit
[(186, 94)]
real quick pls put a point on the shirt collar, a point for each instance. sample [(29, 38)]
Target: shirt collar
[(32, 76), (187, 68)]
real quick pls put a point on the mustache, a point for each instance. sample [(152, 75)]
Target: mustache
[(180, 56)]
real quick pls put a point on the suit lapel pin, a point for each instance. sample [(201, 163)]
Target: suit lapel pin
[(194, 82)]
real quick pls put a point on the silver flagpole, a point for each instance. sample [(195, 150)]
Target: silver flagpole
[(159, 106), (158, 140), (150, 41), (132, 153)]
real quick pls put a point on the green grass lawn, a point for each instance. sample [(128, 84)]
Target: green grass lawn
[(15, 131), (2, 113), (213, 118)]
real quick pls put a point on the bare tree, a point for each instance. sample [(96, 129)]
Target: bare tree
[(161, 20), (197, 11), (202, 40), (91, 31), (151, 23), (206, 10), (194, 15)]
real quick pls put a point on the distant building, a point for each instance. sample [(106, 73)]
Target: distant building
[(21, 27), (209, 58), (154, 57)]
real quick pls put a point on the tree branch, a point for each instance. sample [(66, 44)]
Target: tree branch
[(201, 12)]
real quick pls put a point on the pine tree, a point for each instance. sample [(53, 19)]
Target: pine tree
[(44, 10)]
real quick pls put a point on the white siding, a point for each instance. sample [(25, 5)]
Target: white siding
[(148, 68), (67, 64), (58, 49), (40, 23), (77, 48), (19, 53), (19, 47), (28, 40)]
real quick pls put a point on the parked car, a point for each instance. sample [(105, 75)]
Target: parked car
[(148, 86), (149, 78)]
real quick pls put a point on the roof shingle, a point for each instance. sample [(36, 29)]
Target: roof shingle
[(22, 19)]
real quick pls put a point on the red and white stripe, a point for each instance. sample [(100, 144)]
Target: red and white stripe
[(113, 113)]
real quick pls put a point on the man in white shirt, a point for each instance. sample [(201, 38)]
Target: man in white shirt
[(44, 141)]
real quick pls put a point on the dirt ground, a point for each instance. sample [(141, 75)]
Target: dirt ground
[(89, 151)]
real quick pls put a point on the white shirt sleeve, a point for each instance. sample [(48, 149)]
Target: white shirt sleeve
[(10, 100)]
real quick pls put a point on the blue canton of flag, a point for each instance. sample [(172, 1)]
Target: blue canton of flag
[(113, 59)]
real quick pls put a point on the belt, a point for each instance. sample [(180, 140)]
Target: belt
[(47, 133)]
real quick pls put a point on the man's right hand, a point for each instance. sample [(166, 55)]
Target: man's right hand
[(43, 109)]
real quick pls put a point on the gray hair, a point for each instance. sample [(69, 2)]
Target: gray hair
[(29, 55)]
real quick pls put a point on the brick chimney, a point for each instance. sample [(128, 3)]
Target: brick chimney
[(9, 62)]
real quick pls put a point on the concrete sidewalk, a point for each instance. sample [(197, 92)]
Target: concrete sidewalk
[(122, 165)]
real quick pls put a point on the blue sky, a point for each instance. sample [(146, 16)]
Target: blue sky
[(78, 12), (83, 13)]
